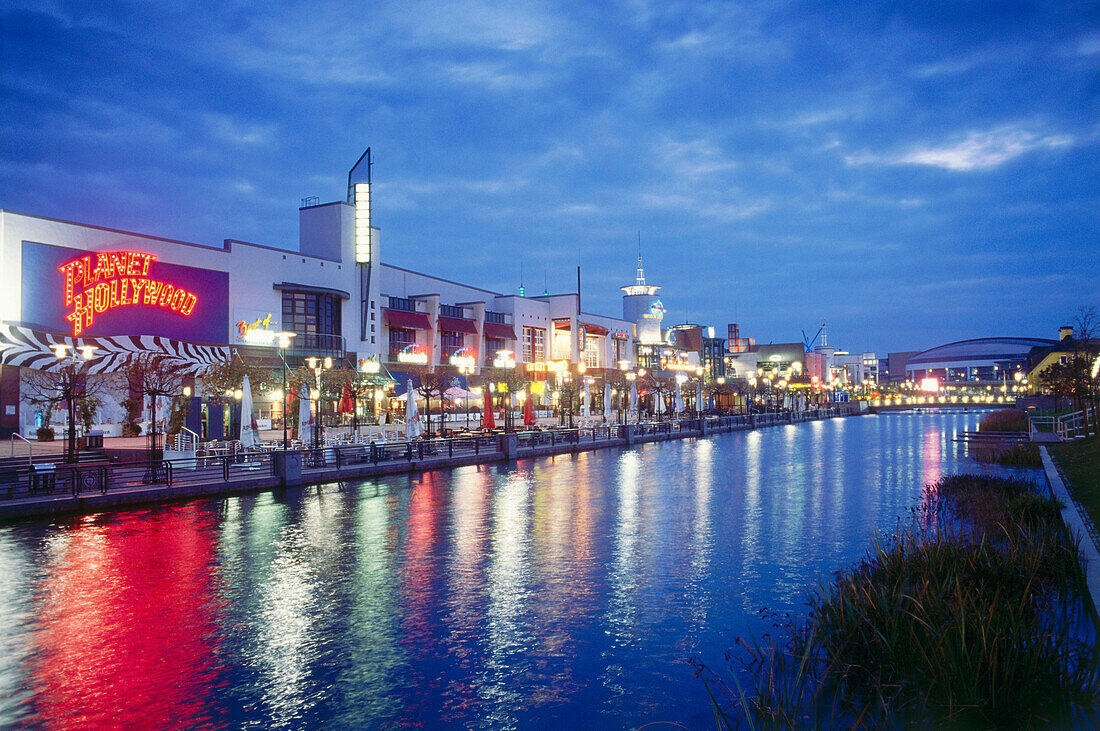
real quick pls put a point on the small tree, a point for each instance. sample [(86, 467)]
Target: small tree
[(568, 392), (358, 384), (513, 381), (431, 385), (155, 376), (71, 385)]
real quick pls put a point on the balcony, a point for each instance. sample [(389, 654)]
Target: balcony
[(305, 345)]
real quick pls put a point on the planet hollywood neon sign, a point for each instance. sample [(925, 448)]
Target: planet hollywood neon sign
[(117, 279)]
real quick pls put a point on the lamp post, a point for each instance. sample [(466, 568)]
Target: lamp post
[(87, 352), (317, 365), (284, 343)]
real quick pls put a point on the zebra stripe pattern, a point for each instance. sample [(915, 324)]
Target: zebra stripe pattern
[(27, 348)]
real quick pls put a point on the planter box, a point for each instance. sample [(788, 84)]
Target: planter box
[(45, 435)]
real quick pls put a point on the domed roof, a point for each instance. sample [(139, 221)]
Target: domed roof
[(980, 349)]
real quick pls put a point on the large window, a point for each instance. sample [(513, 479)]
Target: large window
[(314, 317), (450, 342), (400, 338), (592, 351), (534, 347)]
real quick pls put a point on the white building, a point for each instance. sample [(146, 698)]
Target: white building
[(125, 293)]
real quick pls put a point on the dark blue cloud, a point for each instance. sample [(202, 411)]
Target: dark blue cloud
[(915, 172)]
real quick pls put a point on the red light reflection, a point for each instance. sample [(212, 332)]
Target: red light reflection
[(126, 636)]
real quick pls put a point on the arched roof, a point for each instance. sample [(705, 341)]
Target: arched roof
[(979, 349)]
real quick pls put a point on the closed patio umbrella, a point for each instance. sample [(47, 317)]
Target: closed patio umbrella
[(585, 398), (634, 398), (305, 416), (488, 421), (248, 420), (678, 400), (347, 400), (528, 412), (413, 427), (607, 401)]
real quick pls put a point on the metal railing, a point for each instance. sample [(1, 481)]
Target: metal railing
[(64, 481), (30, 447)]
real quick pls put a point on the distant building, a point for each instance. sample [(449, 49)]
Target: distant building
[(982, 361)]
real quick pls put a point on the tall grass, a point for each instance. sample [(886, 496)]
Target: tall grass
[(1018, 455), (1004, 420), (972, 617)]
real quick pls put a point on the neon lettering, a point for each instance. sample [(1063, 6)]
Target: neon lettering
[(117, 279)]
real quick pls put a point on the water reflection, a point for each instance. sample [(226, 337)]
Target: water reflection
[(564, 592), (126, 627)]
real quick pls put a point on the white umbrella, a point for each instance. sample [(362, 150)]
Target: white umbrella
[(413, 427), (607, 400), (699, 395), (305, 417), (633, 397), (585, 411), (678, 400), (248, 421)]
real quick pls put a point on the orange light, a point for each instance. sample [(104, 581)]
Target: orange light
[(118, 279)]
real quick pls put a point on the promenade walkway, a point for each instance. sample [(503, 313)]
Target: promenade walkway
[(86, 488)]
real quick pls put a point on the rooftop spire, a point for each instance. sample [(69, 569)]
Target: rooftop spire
[(641, 272)]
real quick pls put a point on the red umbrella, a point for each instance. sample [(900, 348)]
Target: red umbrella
[(487, 420), (528, 412), (347, 401)]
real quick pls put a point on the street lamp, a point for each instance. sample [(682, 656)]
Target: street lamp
[(284, 343), (317, 365), (87, 352)]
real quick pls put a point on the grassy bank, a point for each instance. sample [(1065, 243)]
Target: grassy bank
[(1080, 461), (970, 617)]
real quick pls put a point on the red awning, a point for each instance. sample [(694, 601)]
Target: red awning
[(411, 320), (499, 331), (591, 329), (457, 325)]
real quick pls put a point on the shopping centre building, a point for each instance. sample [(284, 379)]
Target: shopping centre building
[(125, 293)]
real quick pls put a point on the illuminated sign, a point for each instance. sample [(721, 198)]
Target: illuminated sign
[(552, 366), (930, 385), (370, 365), (258, 331), (362, 223), (413, 353), (464, 358), (504, 359), (117, 279), (656, 311)]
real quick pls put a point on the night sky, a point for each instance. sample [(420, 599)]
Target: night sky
[(916, 173)]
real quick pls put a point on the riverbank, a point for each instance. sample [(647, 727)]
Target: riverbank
[(972, 616), (1080, 463), (66, 489)]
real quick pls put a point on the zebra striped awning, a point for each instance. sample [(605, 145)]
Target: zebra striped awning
[(27, 348)]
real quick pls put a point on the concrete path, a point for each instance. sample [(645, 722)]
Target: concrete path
[(1079, 526)]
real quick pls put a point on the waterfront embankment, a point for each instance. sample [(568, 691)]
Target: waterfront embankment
[(48, 489)]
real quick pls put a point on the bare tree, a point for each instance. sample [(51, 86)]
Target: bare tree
[(432, 384), (156, 376), (73, 386), (513, 380), (344, 380)]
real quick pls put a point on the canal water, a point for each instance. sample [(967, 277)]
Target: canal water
[(558, 592)]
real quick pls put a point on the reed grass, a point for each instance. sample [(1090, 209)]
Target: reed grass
[(1004, 420), (971, 617), (1017, 455)]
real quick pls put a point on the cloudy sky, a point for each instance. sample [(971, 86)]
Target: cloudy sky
[(914, 172)]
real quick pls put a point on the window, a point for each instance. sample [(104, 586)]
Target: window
[(492, 345), (452, 311), (534, 348), (450, 341), (592, 351), (314, 318), (400, 338)]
